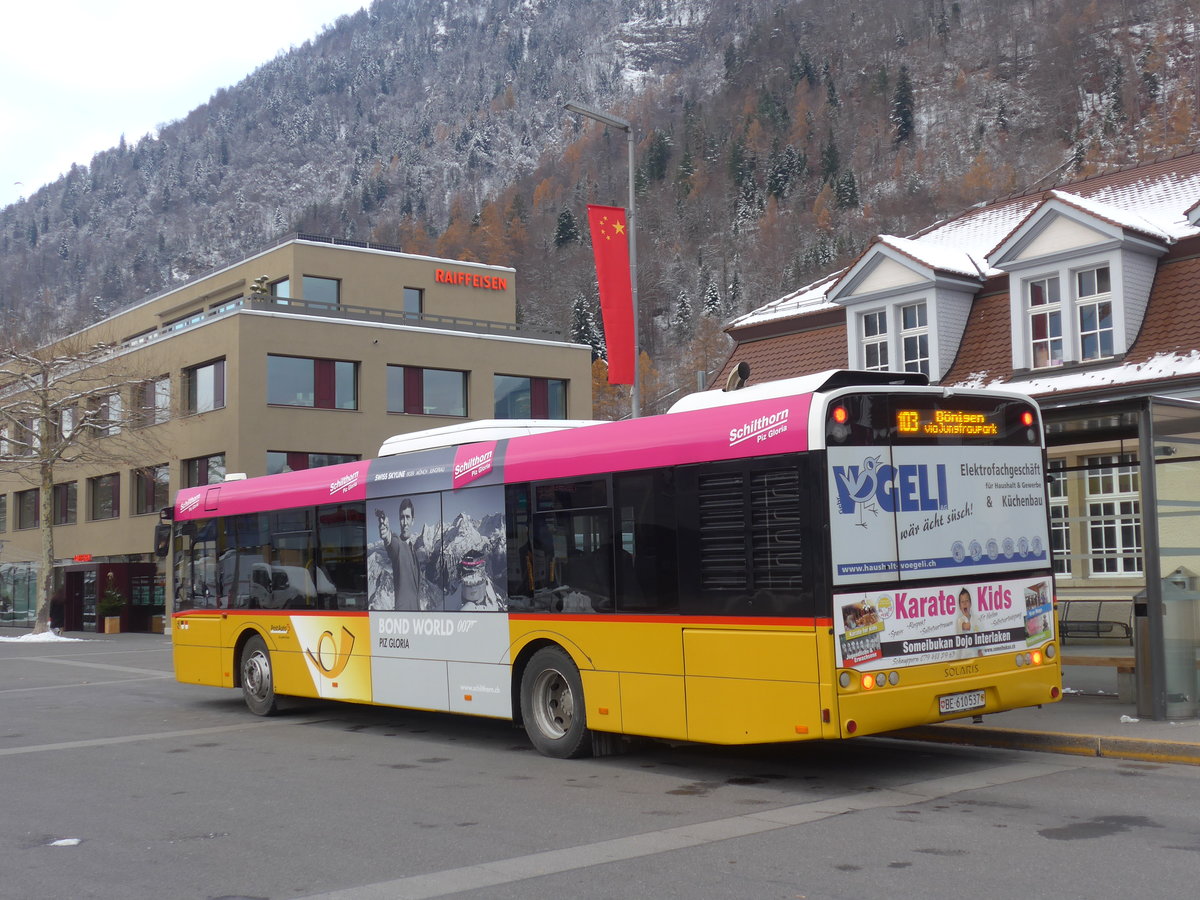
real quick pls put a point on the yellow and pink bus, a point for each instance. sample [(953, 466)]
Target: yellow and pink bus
[(842, 554)]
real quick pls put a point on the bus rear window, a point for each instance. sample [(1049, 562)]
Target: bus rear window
[(877, 418)]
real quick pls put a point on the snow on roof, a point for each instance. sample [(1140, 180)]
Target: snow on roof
[(1164, 201), (937, 256), (809, 298), (1122, 218), (1160, 366)]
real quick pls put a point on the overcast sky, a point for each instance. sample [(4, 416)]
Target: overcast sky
[(77, 74)]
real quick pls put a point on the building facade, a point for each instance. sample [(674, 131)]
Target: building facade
[(1086, 297), (309, 353)]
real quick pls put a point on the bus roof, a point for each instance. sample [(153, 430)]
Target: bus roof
[(475, 433), (789, 387)]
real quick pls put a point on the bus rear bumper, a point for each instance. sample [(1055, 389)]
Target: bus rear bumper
[(891, 707)]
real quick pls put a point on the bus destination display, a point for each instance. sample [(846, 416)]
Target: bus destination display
[(945, 423)]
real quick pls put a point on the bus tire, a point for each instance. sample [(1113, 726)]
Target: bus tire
[(258, 678), (552, 706)]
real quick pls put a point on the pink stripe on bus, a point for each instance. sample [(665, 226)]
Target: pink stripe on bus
[(310, 487), (762, 428)]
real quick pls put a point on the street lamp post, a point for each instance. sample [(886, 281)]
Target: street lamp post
[(623, 125)]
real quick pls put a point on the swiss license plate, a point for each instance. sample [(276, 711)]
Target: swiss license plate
[(952, 703)]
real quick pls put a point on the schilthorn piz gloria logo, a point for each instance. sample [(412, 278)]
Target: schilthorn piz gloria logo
[(760, 429), (875, 486)]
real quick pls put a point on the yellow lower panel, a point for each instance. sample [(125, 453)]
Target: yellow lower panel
[(197, 650), (902, 706), (602, 694), (755, 654), (653, 706), (741, 711)]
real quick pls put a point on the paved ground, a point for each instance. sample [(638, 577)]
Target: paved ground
[(1092, 719)]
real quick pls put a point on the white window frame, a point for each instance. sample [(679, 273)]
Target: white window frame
[(1112, 489), (1052, 310), (874, 339), (1058, 489), (914, 337), (1092, 302)]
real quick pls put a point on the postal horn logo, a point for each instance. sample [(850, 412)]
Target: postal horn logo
[(331, 655)]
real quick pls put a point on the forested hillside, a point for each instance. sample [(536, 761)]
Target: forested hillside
[(775, 138)]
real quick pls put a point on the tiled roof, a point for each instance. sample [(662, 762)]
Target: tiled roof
[(986, 343), (799, 353), (1172, 323)]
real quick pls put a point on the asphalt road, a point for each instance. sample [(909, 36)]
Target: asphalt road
[(116, 782)]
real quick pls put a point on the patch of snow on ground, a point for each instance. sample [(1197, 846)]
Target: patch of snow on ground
[(46, 637)]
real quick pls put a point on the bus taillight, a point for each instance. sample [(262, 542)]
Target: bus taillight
[(868, 682)]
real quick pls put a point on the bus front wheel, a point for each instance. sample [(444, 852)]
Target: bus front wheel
[(552, 705), (258, 681)]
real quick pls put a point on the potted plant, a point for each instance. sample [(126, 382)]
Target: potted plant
[(109, 606)]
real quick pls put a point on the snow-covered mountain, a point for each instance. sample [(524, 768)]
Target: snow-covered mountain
[(775, 138)]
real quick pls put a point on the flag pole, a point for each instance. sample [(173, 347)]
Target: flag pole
[(624, 125)]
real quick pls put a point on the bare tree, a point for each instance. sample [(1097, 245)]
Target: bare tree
[(69, 403)]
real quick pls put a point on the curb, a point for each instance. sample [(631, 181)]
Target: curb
[(1055, 742)]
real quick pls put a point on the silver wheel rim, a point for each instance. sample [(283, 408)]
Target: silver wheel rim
[(553, 703), (256, 675)]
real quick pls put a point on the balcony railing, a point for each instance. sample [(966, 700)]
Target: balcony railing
[(350, 312)]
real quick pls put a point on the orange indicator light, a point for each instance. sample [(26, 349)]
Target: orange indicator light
[(840, 415), (868, 682)]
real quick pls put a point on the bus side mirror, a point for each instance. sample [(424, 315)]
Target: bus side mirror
[(162, 540)]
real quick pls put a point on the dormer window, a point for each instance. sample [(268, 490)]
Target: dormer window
[(1045, 322), (875, 341), (914, 337), (1093, 293), (1080, 274)]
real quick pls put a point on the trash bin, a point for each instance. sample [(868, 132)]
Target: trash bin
[(1180, 601)]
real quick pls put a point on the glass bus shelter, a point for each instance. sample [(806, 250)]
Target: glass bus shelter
[(1125, 522)]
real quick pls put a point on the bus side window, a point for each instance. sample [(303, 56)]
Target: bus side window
[(645, 562)]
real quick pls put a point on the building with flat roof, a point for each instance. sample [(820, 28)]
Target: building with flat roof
[(312, 352)]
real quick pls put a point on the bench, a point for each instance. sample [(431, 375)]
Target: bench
[(1124, 665), (1095, 618)]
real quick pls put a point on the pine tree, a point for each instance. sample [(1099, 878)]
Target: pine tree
[(734, 294), (846, 191), (902, 107), (567, 230), (713, 308), (658, 154), (584, 329), (831, 160), (683, 312)]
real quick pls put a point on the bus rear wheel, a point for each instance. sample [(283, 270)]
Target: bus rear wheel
[(552, 705), (258, 680)]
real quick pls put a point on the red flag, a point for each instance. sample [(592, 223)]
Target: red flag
[(610, 244)]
